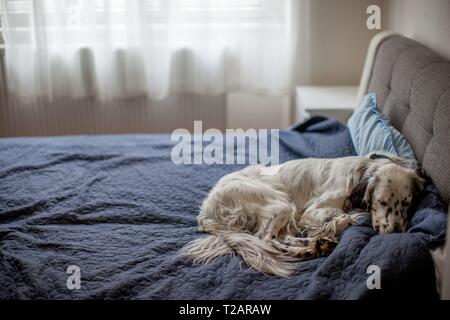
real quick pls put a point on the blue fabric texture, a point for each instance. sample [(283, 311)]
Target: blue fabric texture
[(371, 131), (120, 209), (401, 145)]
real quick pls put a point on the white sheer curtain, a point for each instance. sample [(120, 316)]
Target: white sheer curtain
[(121, 48)]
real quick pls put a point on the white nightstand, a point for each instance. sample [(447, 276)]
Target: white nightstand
[(330, 101)]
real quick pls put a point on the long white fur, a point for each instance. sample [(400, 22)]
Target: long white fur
[(251, 214)]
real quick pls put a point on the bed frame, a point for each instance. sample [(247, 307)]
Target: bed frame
[(412, 84)]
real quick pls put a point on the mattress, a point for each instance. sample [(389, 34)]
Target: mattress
[(117, 209)]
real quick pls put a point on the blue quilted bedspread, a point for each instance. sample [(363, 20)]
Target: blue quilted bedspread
[(119, 209)]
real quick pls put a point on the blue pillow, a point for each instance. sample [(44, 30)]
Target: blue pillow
[(370, 131)]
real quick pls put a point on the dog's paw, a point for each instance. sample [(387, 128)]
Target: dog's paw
[(318, 247), (324, 246), (343, 222)]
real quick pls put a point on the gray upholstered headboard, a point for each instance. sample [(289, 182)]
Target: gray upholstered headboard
[(412, 84)]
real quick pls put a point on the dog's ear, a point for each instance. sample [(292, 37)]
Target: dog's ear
[(355, 200), (369, 190), (360, 196), (419, 182), (361, 186)]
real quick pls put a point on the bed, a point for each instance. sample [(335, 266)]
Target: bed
[(119, 209)]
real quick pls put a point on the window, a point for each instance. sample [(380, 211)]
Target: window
[(254, 11), (79, 16), (153, 47)]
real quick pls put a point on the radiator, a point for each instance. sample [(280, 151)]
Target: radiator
[(2, 77), (88, 116)]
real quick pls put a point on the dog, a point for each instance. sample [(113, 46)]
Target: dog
[(298, 212)]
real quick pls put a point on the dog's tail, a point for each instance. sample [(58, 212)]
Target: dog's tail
[(257, 253)]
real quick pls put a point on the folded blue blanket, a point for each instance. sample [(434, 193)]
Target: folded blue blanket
[(119, 209)]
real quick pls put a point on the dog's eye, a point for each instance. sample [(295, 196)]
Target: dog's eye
[(383, 203), (405, 203)]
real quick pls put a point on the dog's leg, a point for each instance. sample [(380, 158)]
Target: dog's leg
[(311, 248), (325, 222), (296, 241), (278, 213), (324, 217)]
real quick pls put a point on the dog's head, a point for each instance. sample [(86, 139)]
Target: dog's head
[(385, 186)]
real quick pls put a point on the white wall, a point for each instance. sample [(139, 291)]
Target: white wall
[(339, 39), (426, 21), (248, 111)]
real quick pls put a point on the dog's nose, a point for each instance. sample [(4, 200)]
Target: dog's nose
[(398, 227), (387, 228)]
